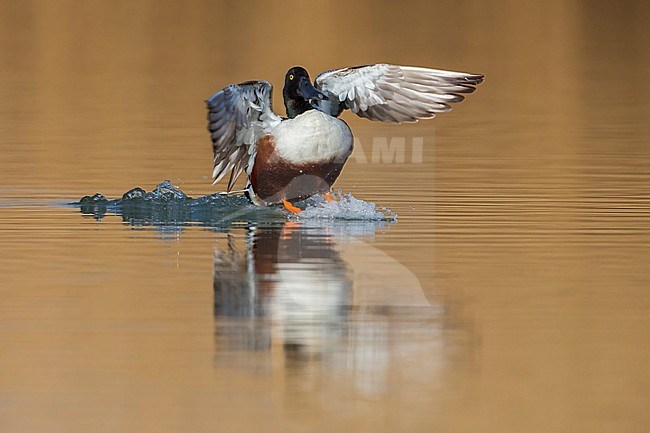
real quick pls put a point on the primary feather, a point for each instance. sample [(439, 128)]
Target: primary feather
[(391, 93), (238, 116)]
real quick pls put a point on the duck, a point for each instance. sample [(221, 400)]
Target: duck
[(287, 159)]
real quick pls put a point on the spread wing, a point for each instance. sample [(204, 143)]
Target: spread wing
[(237, 117), (391, 93)]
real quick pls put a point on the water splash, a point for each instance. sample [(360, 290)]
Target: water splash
[(345, 206), (169, 205)]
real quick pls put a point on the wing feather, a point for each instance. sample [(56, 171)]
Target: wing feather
[(391, 93), (238, 116)]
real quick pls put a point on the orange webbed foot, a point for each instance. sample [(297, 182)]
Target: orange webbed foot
[(328, 196), (291, 208)]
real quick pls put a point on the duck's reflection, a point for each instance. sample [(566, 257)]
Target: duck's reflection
[(314, 302), (285, 298), (289, 275)]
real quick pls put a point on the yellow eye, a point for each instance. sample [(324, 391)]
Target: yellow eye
[(291, 77)]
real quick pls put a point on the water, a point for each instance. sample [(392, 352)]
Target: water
[(510, 294)]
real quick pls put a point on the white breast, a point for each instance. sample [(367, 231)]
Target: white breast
[(312, 137)]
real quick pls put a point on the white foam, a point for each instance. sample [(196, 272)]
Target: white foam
[(345, 207)]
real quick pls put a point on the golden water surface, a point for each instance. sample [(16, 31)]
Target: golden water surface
[(512, 295)]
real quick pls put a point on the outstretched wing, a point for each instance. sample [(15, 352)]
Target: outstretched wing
[(237, 117), (391, 93)]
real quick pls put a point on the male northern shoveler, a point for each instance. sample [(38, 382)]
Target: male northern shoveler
[(302, 155)]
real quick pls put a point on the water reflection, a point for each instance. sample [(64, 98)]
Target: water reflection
[(290, 274), (287, 301), (311, 302)]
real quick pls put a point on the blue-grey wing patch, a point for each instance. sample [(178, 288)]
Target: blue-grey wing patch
[(238, 116), (391, 93)]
